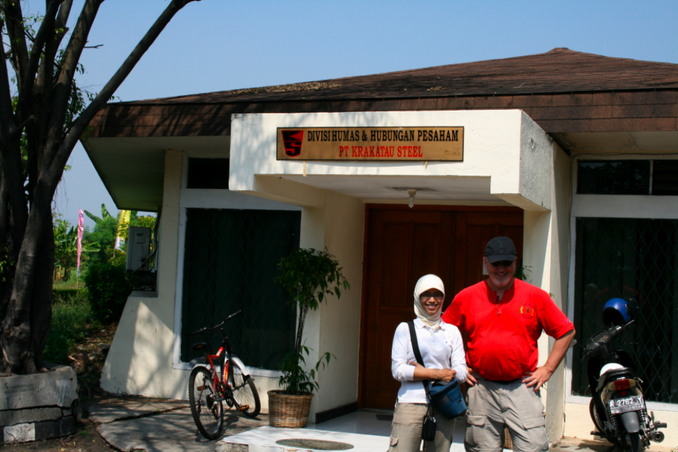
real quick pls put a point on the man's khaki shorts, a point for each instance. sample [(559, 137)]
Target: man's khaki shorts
[(492, 405)]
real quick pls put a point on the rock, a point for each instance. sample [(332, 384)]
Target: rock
[(38, 406)]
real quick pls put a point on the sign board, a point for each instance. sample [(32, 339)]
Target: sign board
[(371, 143)]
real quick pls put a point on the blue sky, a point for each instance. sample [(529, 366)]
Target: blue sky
[(217, 45)]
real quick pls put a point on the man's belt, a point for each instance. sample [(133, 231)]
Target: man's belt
[(505, 382)]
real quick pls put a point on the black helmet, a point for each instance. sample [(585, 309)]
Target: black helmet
[(616, 312)]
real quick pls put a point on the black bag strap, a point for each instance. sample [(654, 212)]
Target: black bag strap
[(417, 354)]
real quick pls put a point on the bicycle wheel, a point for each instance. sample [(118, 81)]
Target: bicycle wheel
[(245, 395), (206, 409)]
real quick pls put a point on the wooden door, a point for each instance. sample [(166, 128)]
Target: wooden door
[(475, 229), (401, 246)]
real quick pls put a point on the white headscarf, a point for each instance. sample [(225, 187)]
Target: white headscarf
[(425, 283)]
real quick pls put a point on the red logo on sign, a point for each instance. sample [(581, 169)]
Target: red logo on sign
[(292, 140)]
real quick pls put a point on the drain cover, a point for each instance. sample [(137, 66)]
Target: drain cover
[(318, 444)]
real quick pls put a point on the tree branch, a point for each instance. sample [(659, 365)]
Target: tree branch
[(45, 105), (63, 86), (116, 80), (10, 134), (7, 122), (64, 13), (27, 65), (17, 40)]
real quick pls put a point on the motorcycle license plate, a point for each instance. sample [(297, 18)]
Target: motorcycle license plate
[(626, 404)]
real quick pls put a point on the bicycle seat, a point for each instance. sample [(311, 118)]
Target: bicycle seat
[(200, 345)]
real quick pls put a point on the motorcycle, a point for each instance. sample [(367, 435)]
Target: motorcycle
[(617, 405)]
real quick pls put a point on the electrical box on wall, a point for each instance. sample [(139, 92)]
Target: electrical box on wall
[(138, 248)]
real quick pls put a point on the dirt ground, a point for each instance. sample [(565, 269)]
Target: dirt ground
[(86, 439), (88, 361)]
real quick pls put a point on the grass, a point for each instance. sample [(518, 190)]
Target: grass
[(72, 320)]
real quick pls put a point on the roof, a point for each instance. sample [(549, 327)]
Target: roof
[(559, 71), (587, 103)]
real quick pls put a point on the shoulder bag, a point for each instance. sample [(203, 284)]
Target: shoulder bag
[(428, 430), (447, 398)]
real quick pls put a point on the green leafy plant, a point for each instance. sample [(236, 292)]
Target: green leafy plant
[(103, 235), (309, 276), (71, 318), (66, 249), (523, 271), (108, 290), (295, 379)]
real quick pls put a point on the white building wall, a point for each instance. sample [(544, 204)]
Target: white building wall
[(546, 249), (339, 323), (140, 360), (493, 147)]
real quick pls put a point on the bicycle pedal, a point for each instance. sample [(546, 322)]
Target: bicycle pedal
[(243, 408)]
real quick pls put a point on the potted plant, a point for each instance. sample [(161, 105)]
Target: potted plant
[(309, 276)]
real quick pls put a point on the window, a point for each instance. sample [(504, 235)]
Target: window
[(628, 177), (665, 177), (207, 173), (637, 260), (614, 177), (229, 264)]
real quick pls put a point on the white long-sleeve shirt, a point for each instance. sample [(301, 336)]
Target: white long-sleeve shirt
[(441, 348)]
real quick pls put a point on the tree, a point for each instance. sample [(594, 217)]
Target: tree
[(42, 116), (105, 228), (65, 248)]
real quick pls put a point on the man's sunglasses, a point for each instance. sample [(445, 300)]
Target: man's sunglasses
[(501, 263)]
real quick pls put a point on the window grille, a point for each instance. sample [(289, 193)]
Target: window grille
[(230, 262), (637, 260)]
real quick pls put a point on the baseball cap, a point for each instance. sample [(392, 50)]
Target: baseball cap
[(500, 249)]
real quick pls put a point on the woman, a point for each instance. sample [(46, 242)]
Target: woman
[(442, 351)]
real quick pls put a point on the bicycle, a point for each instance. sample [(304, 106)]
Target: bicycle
[(208, 388)]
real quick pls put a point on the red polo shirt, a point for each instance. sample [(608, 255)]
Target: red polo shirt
[(501, 337)]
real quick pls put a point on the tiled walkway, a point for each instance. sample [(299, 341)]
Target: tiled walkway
[(361, 431)]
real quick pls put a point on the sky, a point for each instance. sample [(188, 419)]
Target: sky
[(219, 45)]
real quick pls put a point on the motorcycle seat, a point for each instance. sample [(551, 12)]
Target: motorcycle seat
[(624, 372)]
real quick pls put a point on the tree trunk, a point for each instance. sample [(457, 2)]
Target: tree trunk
[(27, 320)]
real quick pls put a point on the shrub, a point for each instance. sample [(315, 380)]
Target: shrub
[(108, 291), (71, 317), (66, 296)]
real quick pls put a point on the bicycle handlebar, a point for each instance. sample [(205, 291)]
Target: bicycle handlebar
[(207, 328)]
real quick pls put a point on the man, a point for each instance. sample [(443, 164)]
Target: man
[(501, 319)]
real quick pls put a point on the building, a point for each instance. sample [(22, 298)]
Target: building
[(573, 155)]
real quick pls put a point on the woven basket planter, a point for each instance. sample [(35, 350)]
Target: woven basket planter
[(288, 411)]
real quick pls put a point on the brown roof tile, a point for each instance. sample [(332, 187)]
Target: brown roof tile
[(559, 71), (553, 88)]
